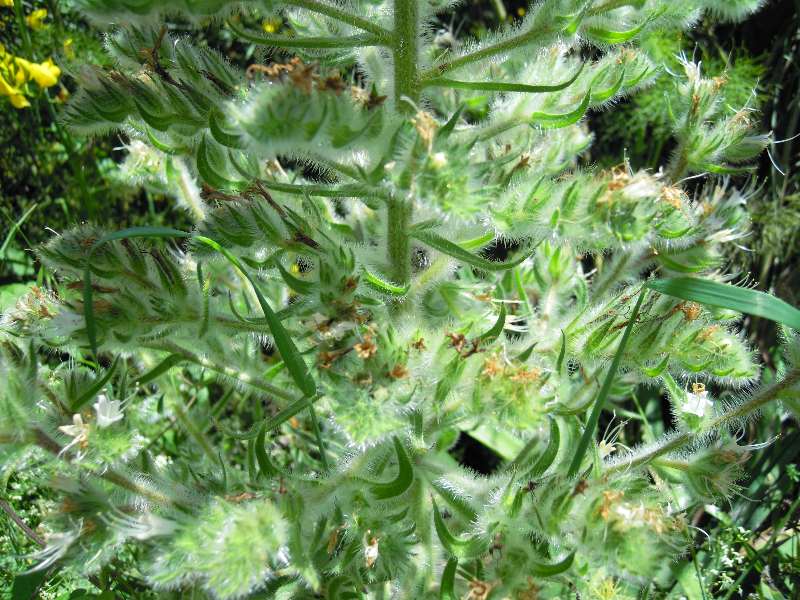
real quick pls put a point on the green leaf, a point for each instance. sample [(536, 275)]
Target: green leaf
[(384, 286), (497, 328), (544, 570), (591, 425), (95, 388), (230, 140), (289, 353), (496, 86), (26, 585), (558, 120), (158, 144), (265, 465), (723, 295), (211, 177), (462, 549), (447, 247), (562, 353), (444, 132), (447, 587), (658, 369), (608, 93), (405, 476), (545, 460), (607, 36), (302, 287), (161, 368)]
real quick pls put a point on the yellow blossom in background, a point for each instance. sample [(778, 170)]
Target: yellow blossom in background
[(46, 74), (6, 2), (16, 72), (36, 18), (14, 94), (271, 25), (69, 51)]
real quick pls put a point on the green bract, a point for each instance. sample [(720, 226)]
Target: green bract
[(376, 268)]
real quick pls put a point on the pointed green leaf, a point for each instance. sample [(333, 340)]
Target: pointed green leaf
[(498, 326), (211, 177), (562, 353), (496, 86), (405, 476), (451, 249), (462, 549), (225, 138), (302, 287), (558, 120), (594, 417), (289, 353), (544, 570), (384, 286), (447, 587), (95, 388), (161, 368), (266, 468)]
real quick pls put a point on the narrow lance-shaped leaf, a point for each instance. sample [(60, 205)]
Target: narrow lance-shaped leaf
[(558, 120), (161, 368), (405, 476), (302, 287), (451, 249), (461, 549), (497, 328), (497, 86), (384, 286), (95, 388), (545, 570), (289, 353), (721, 295), (447, 587)]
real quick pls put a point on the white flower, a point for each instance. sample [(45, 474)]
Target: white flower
[(108, 411), (371, 552), (439, 160), (605, 449), (697, 402), (79, 431)]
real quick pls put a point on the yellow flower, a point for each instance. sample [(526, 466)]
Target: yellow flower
[(271, 25), (6, 2), (34, 20), (46, 74), (18, 100)]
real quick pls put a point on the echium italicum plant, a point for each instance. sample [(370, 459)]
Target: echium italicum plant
[(267, 404)]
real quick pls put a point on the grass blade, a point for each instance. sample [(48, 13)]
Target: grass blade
[(722, 295), (591, 425)]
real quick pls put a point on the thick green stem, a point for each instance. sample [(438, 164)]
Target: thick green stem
[(406, 53), (399, 242), (723, 421)]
